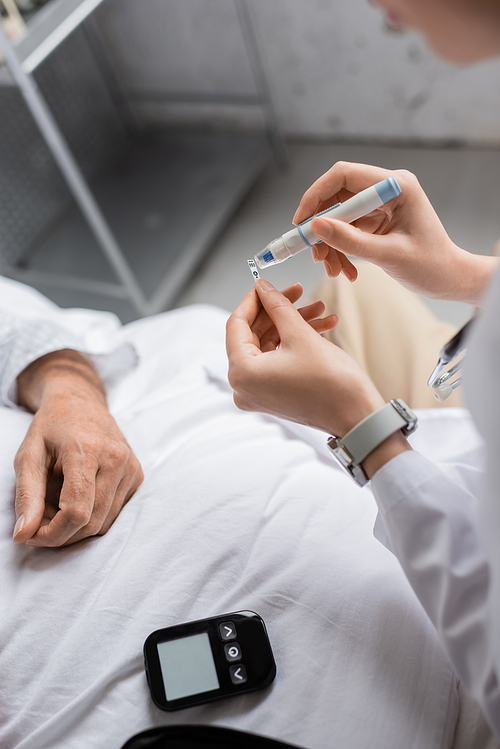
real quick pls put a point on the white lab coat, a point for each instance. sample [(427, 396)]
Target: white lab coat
[(448, 543)]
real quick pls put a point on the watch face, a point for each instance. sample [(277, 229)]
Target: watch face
[(198, 662)]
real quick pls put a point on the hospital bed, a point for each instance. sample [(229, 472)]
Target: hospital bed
[(237, 511)]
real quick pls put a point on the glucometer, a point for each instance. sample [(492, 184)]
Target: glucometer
[(209, 659)]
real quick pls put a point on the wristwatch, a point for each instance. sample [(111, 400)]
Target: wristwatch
[(365, 437)]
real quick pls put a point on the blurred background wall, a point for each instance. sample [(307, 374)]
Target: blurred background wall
[(344, 86), (336, 71)]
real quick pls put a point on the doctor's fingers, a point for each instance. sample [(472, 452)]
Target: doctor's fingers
[(339, 237), (31, 466), (311, 314), (241, 340), (280, 310), (242, 343), (308, 313), (263, 322), (335, 262), (343, 180)]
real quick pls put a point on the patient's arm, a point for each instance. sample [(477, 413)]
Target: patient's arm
[(74, 469)]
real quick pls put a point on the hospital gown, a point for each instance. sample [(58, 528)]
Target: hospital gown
[(21, 343)]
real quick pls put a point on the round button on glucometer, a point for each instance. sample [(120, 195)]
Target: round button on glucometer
[(232, 652), (227, 631)]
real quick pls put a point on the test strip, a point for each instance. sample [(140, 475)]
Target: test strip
[(253, 269)]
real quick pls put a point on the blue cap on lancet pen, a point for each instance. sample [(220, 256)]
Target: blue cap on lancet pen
[(388, 189)]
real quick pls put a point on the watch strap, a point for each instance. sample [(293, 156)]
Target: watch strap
[(372, 431), (368, 434)]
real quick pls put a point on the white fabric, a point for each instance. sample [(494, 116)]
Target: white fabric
[(431, 518), (32, 326), (237, 511)]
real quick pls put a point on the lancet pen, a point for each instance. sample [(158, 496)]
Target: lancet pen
[(299, 239)]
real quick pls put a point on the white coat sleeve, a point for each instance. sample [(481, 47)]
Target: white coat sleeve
[(432, 525)]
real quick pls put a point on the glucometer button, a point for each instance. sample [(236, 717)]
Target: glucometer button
[(238, 674), (227, 631), (232, 651)]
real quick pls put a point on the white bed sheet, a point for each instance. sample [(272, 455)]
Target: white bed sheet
[(237, 511)]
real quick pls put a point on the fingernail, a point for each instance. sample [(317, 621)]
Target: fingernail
[(322, 228), (265, 285), (18, 526), (348, 276), (314, 253)]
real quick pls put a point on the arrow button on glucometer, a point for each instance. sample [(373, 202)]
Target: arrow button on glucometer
[(238, 674), (227, 631)]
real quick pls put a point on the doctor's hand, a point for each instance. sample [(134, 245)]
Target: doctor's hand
[(74, 469), (404, 237), (265, 331), (298, 376)]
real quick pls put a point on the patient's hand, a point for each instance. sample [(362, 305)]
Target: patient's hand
[(404, 237), (74, 469)]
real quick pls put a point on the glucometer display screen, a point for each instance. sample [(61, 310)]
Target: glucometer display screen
[(187, 666)]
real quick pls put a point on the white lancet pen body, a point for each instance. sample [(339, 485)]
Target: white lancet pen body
[(301, 237)]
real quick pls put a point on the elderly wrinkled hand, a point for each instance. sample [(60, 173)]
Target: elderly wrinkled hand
[(74, 469)]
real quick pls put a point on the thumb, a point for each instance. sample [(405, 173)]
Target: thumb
[(347, 238), (31, 484), (280, 309)]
